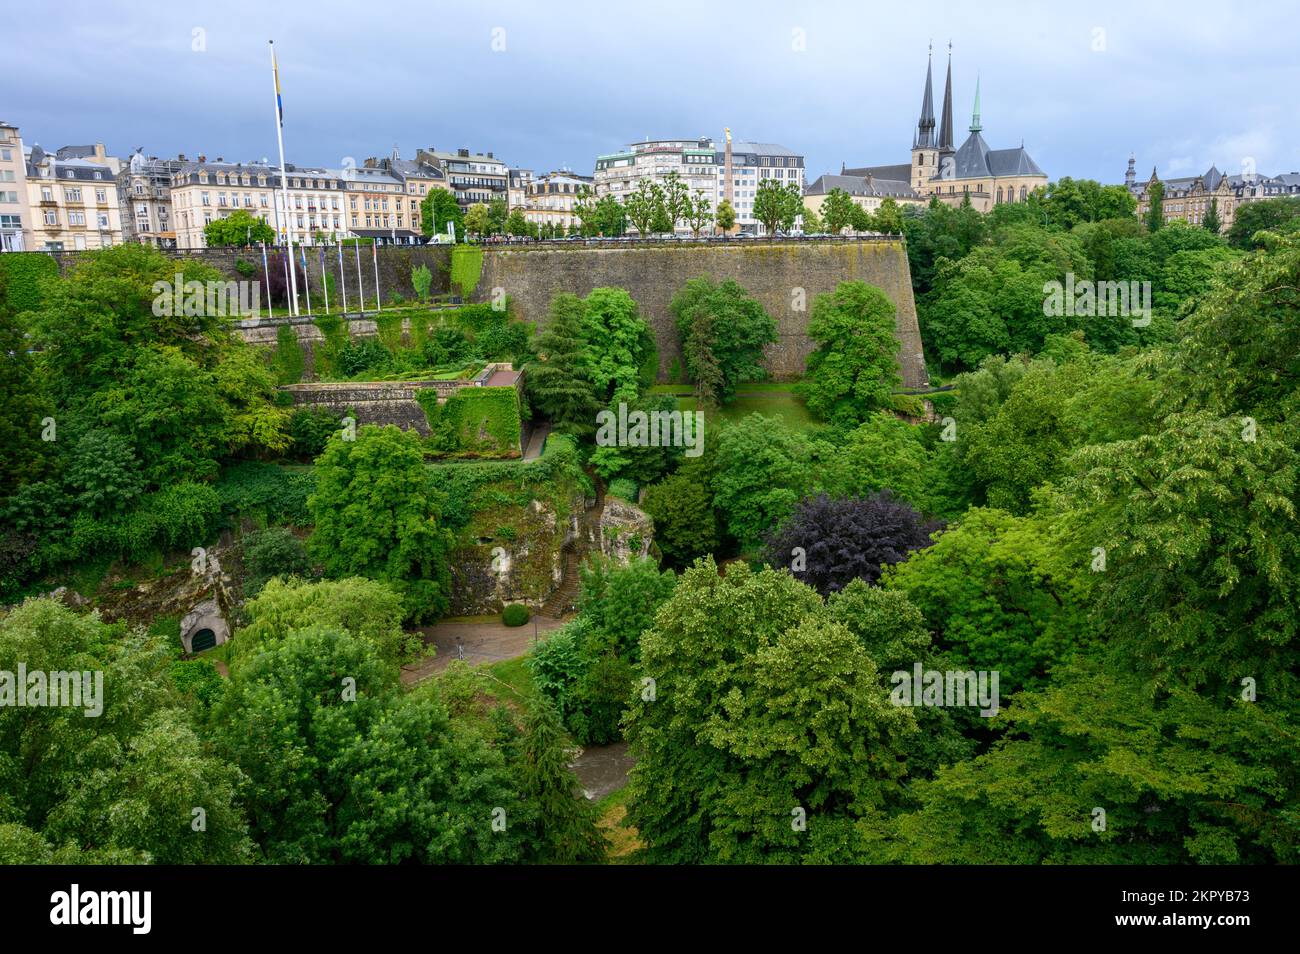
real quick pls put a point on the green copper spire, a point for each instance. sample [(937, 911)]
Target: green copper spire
[(975, 116)]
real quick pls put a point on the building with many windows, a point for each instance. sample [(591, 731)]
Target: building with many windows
[(865, 191), (202, 191), (548, 200), (15, 226), (1189, 198), (144, 192), (474, 178), (72, 199), (732, 172), (417, 179)]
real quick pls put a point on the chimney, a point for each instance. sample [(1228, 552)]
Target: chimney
[(219, 159), (489, 155), (202, 158), (180, 156), (464, 153)]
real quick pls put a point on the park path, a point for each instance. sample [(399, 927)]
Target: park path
[(487, 642), (536, 440)]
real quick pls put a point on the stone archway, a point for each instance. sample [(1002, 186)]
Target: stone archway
[(204, 627)]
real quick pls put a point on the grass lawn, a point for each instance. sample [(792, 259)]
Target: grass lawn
[(773, 399), (515, 675)]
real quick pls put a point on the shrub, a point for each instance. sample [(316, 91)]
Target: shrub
[(275, 551), (482, 421), (25, 272), (186, 513), (310, 430), (624, 488), (516, 614)]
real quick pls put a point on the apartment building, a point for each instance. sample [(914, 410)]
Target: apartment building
[(549, 199), (72, 198), (732, 172), (1189, 198), (144, 193), (377, 206), (473, 178), (417, 179), (15, 226), (202, 191)]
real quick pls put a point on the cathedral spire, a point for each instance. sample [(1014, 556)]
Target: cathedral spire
[(975, 115), (925, 128), (945, 129)]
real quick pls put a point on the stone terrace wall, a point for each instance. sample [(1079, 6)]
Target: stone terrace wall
[(773, 272), (395, 264)]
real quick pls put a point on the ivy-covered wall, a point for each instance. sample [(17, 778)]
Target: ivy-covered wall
[(23, 273), (482, 421)]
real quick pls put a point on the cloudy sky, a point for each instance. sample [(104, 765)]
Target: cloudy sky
[(548, 85)]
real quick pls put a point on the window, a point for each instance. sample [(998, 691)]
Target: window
[(6, 154), (72, 195), (10, 197), (47, 194), (203, 197), (103, 220), (51, 217)]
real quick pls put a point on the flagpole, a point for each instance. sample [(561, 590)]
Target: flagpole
[(266, 268), (306, 281), (284, 176), (343, 278), (324, 279), (361, 289), (374, 255)]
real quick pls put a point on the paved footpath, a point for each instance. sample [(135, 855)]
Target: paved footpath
[(480, 642)]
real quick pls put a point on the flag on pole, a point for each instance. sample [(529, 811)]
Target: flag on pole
[(324, 278), (374, 255), (306, 285), (343, 279), (266, 269), (361, 289), (279, 104)]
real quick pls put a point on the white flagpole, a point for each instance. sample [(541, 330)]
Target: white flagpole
[(324, 281), (361, 289), (284, 176), (343, 278), (306, 279), (374, 256), (266, 268)]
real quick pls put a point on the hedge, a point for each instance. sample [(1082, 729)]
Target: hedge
[(515, 614)]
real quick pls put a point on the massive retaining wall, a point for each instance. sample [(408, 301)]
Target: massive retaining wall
[(784, 276)]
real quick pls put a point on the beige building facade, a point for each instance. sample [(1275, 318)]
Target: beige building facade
[(72, 199)]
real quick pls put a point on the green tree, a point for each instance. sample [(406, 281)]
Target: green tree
[(611, 217), (854, 370), (559, 383), (685, 524), (765, 712), (889, 217), (516, 224), (238, 228), (762, 472), (725, 217), (1281, 214), (676, 200), (567, 832), (498, 212), (477, 220), (1155, 217), (777, 205), (643, 206), (437, 209), (812, 222), (1211, 221), (618, 341), (700, 214), (377, 514), (723, 332), (837, 211)]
